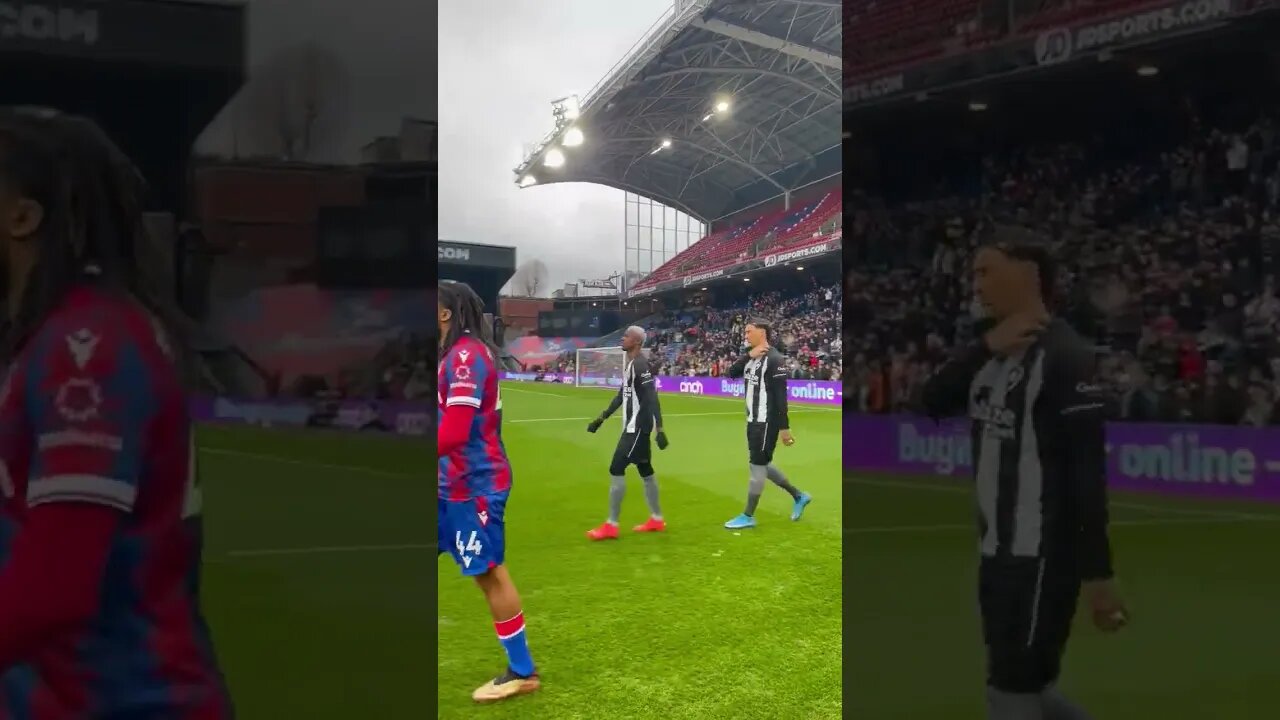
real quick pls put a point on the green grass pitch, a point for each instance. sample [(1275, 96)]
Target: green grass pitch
[(1200, 579), (698, 622), (316, 581)]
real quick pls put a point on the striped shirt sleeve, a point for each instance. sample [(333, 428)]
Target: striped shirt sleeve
[(89, 401)]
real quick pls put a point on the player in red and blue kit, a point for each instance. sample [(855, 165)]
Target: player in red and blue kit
[(99, 506), (475, 478)]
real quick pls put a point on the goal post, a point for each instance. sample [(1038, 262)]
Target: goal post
[(599, 367)]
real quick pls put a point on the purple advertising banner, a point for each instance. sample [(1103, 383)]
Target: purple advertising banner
[(404, 418), (1219, 461), (823, 392), (414, 418)]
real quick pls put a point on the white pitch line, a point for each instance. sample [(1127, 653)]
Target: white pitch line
[(399, 475), (307, 463), (508, 388), (1144, 507), (325, 550), (816, 408), (664, 415)]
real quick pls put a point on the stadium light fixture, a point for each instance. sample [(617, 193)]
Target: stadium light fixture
[(708, 116), (666, 142), (702, 288), (528, 180), (573, 138), (746, 279), (722, 106), (799, 267), (1148, 71), (554, 158), (567, 108), (977, 106)]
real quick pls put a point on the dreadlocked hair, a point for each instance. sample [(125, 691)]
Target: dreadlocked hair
[(92, 228), (468, 316)]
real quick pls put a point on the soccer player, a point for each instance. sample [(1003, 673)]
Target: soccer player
[(1040, 469), (100, 534), (641, 415), (475, 478), (765, 373)]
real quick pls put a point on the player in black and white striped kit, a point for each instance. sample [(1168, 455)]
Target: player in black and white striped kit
[(763, 370), (1040, 470), (641, 415)]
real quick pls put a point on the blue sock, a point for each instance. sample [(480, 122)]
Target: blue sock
[(511, 635)]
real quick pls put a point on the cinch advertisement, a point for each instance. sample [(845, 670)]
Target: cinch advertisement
[(823, 392), (1218, 461), (409, 418)]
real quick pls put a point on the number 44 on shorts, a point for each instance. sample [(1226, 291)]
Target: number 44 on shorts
[(471, 548)]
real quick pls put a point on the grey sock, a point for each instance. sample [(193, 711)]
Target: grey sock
[(758, 477), (1058, 707), (776, 476), (1003, 705), (617, 488), (651, 496)]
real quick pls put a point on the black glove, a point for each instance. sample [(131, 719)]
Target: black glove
[(662, 440), (595, 425)]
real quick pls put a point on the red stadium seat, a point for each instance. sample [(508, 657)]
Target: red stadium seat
[(726, 247)]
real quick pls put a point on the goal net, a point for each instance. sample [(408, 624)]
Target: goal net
[(599, 367)]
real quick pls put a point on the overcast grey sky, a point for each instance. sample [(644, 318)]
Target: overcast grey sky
[(502, 62), (386, 51)]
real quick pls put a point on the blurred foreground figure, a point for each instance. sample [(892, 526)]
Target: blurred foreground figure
[(100, 535)]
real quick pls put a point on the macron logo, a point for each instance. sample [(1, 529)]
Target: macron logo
[(81, 345)]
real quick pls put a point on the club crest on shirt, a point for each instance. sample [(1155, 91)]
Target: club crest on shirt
[(462, 372), (78, 399), (81, 345)]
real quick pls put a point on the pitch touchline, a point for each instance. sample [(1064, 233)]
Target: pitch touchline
[(1159, 509), (665, 415), (814, 408)]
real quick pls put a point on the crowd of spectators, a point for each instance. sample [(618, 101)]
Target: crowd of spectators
[(705, 341), (403, 369), (1169, 261)]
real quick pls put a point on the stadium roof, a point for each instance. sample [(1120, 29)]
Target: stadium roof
[(653, 127)]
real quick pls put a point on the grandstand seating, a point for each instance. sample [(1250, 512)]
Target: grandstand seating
[(726, 247), (883, 33), (1054, 13)]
